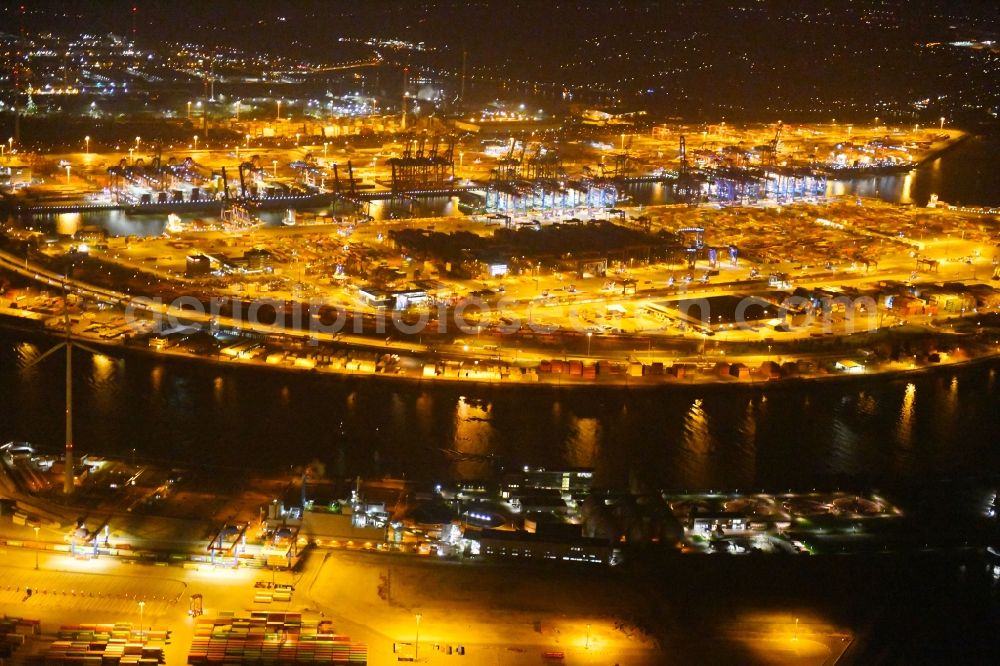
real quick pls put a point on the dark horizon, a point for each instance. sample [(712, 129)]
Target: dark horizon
[(713, 59)]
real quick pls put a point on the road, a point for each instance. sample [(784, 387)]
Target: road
[(169, 311), (560, 611), (67, 591), (565, 315)]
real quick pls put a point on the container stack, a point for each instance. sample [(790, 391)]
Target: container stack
[(271, 638), (13, 631), (106, 645)]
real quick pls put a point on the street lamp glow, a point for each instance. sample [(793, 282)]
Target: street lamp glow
[(942, 122), (189, 111), (196, 142), (142, 606), (416, 642), (86, 141), (36, 547), (279, 110), (274, 164)]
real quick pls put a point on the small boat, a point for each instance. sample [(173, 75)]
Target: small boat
[(233, 220), (307, 218), (174, 225), (237, 218)]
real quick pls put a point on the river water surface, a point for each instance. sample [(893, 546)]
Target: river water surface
[(874, 430)]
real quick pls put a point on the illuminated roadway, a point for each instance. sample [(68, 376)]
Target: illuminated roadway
[(340, 586), (899, 269)]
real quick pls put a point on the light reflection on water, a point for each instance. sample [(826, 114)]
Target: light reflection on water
[(904, 429), (104, 368), (681, 437), (748, 443), (473, 439), (947, 412), (583, 441), (867, 404), (122, 223), (156, 379), (27, 354), (843, 457), (697, 444), (104, 381), (964, 175)]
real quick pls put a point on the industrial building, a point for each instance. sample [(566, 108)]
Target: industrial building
[(536, 547)]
